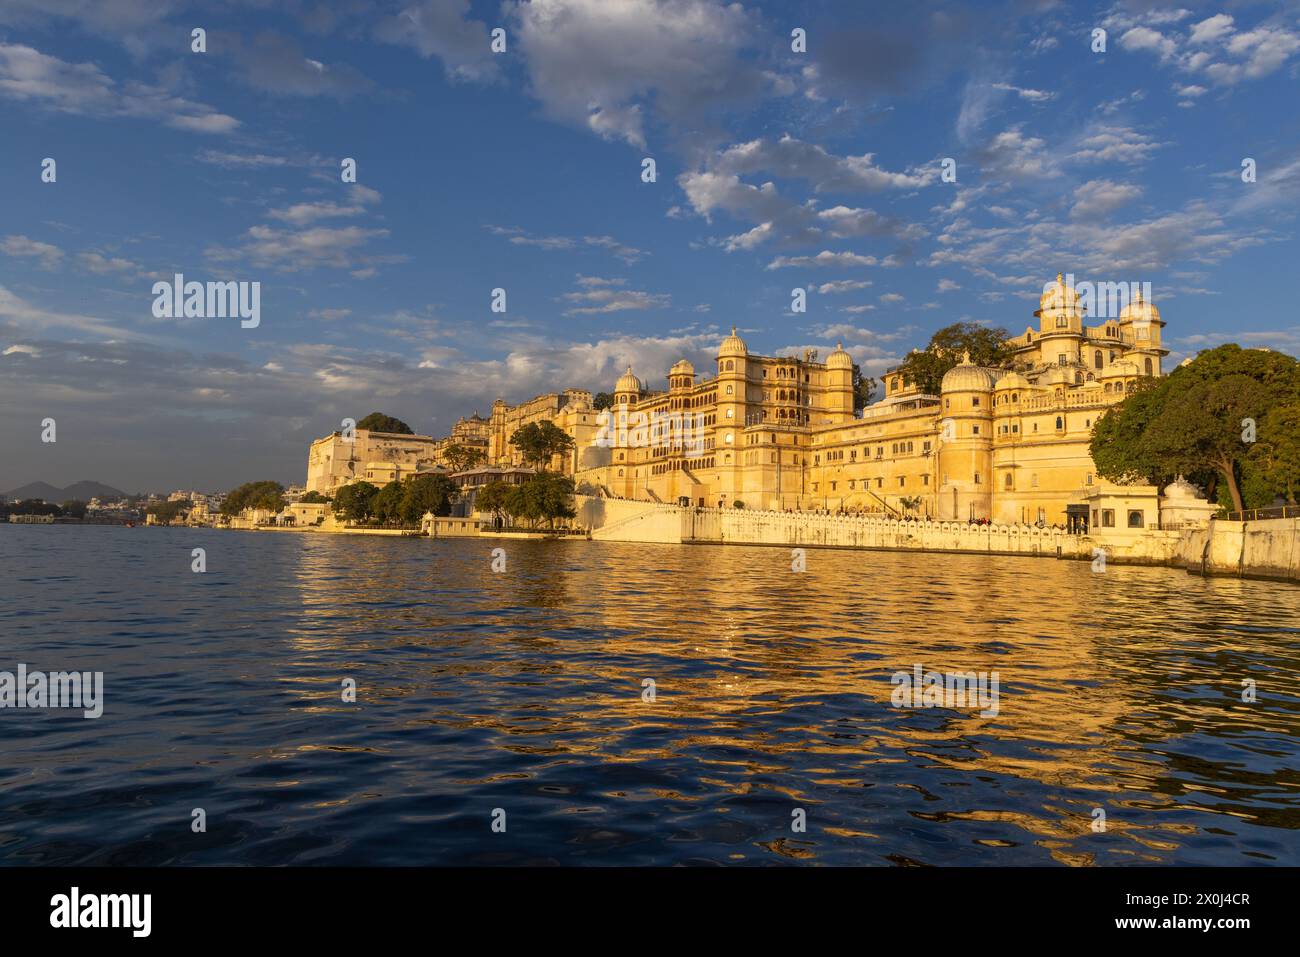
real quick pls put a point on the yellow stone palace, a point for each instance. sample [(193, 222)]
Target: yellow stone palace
[(779, 432)]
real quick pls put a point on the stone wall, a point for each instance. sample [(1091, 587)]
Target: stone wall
[(1263, 549)]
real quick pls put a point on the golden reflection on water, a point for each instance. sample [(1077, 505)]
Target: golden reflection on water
[(1119, 690)]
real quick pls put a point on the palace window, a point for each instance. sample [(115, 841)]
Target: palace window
[(977, 478), (1060, 359), (1096, 359), (1060, 424), (1033, 480), (1107, 518), (1061, 322), (901, 481), (1148, 366), (925, 480), (975, 401), (1007, 481), (1135, 519)]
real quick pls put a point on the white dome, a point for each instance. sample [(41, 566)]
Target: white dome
[(733, 345), (839, 359), (627, 382), (968, 377)]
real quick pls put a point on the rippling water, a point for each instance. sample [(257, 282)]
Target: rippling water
[(523, 691)]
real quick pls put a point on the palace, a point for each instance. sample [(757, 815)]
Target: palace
[(1009, 445)]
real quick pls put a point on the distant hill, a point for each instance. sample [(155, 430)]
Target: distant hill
[(81, 491)]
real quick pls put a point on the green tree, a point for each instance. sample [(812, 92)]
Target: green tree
[(1194, 422), (492, 498), (355, 502), (538, 442), (864, 387), (544, 497), (431, 492), (168, 512), (1276, 455), (378, 422), (461, 457), (265, 495), (387, 503), (602, 400), (313, 498), (926, 367)]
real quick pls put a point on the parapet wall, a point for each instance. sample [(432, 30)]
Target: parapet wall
[(1264, 549), (1269, 548)]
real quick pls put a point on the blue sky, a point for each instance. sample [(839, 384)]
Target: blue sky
[(522, 170)]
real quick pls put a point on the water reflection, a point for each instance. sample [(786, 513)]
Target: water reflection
[(524, 690)]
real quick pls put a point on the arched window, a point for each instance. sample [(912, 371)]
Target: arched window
[(1148, 365), (1060, 423), (727, 366), (728, 390), (1134, 519), (1096, 358), (1007, 481)]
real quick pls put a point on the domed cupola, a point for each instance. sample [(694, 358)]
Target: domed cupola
[(681, 375), (1010, 381), (1139, 310), (839, 359), (733, 345), (1058, 307), (966, 376), (628, 388)]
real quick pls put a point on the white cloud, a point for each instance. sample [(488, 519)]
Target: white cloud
[(599, 63), (443, 29), (30, 76), (1100, 196), (598, 295), (823, 258), (50, 256), (843, 285)]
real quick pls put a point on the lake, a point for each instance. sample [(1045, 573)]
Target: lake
[(520, 698)]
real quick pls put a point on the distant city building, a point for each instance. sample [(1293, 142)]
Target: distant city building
[(780, 432)]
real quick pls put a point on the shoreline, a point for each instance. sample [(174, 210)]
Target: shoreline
[(1262, 550)]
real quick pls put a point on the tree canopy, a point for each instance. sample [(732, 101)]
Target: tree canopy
[(430, 492), (1231, 415), (398, 502), (461, 457), (538, 442), (926, 367), (493, 498), (863, 388), (544, 497), (353, 502), (378, 422), (266, 494), (168, 512), (602, 400)]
